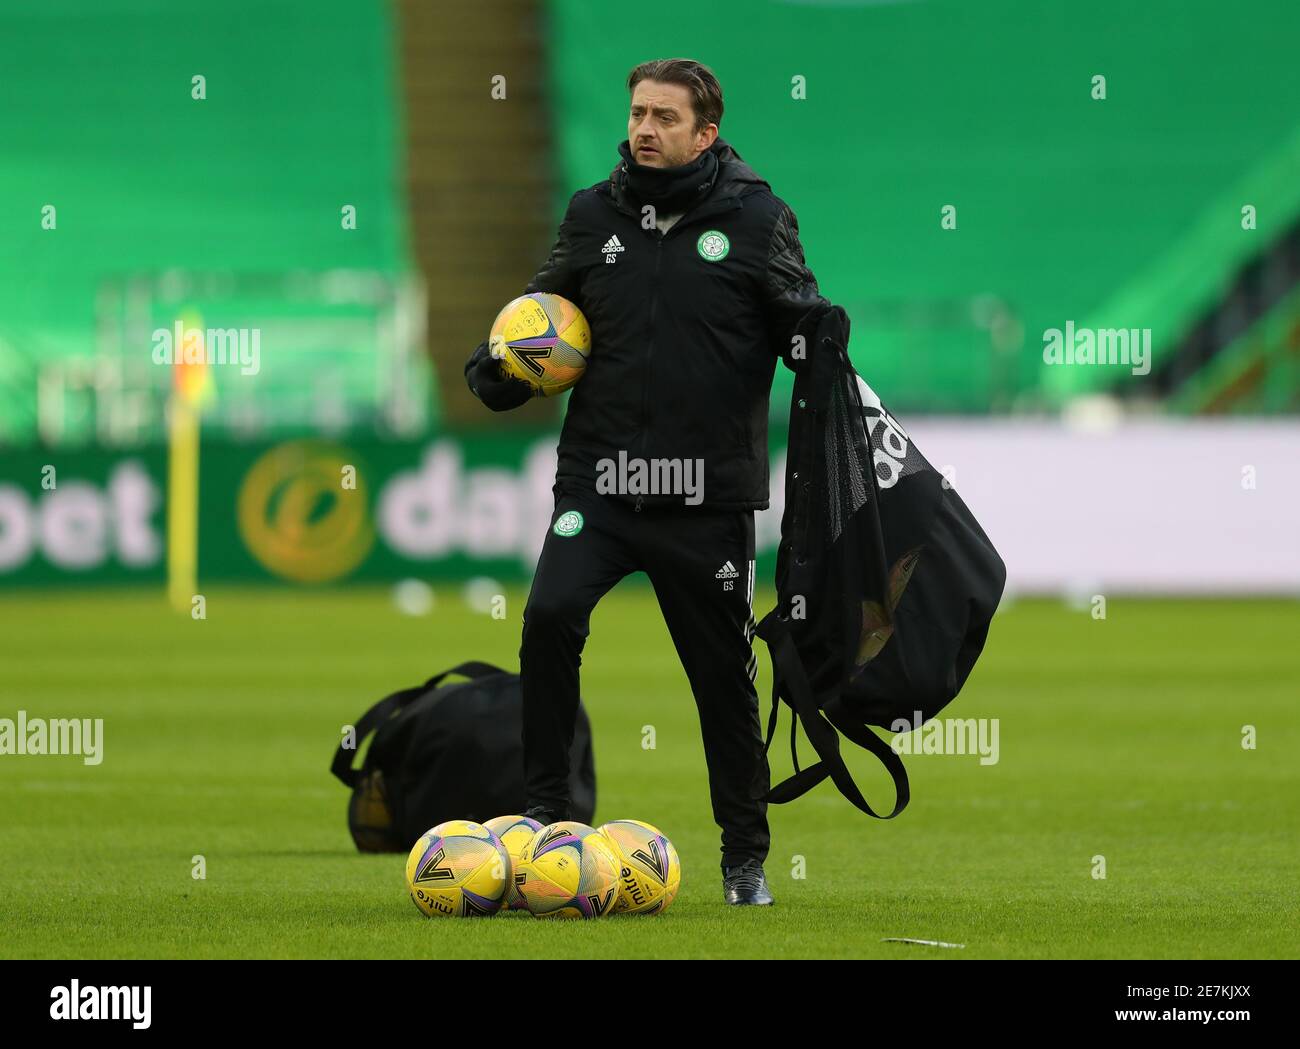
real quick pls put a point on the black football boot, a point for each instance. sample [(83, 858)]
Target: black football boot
[(543, 816), (746, 884)]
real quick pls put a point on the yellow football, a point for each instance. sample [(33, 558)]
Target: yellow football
[(568, 870), (458, 869), (546, 341), (515, 833), (650, 872)]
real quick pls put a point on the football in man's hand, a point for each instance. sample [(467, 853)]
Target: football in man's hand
[(543, 339)]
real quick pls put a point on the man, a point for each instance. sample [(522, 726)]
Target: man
[(691, 275)]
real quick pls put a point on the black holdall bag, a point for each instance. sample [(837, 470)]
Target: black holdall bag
[(886, 584), (448, 751)]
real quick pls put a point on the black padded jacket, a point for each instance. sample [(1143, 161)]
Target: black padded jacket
[(686, 326)]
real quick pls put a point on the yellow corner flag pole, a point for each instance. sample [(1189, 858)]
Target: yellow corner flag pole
[(189, 378)]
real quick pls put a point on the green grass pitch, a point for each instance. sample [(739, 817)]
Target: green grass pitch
[(1118, 738)]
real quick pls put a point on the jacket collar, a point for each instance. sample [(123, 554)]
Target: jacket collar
[(735, 180)]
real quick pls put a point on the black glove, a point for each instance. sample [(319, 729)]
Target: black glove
[(491, 385)]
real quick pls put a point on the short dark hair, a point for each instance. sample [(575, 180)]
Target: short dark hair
[(706, 92)]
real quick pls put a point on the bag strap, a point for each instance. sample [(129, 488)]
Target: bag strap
[(758, 788), (341, 766), (862, 735), (788, 669), (472, 669)]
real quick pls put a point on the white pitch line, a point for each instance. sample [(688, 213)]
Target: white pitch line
[(923, 943)]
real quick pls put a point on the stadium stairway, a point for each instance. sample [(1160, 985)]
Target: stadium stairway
[(479, 175)]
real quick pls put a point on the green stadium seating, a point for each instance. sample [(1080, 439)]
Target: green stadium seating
[(1116, 212)]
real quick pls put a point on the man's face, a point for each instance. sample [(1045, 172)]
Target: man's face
[(661, 126)]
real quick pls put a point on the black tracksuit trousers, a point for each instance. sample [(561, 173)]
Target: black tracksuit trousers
[(701, 565)]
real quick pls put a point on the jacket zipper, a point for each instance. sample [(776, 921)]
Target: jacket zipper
[(649, 357), (654, 297)]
